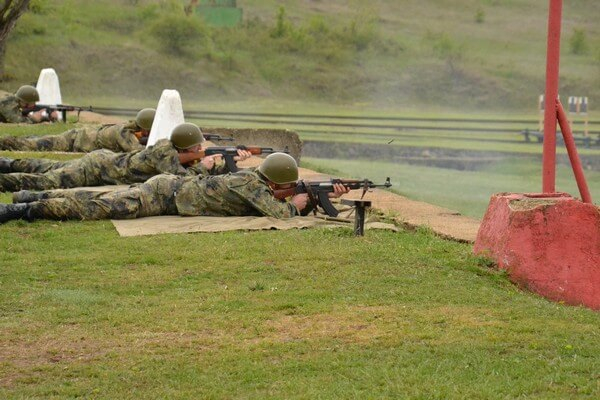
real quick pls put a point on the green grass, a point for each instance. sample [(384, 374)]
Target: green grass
[(296, 314)]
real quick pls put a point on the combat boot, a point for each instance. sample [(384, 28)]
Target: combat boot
[(9, 212), (5, 164), (27, 196)]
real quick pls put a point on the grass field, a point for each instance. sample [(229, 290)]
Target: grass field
[(306, 314), (302, 314), (297, 314)]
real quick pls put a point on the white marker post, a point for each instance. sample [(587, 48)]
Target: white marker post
[(169, 114), (48, 88)]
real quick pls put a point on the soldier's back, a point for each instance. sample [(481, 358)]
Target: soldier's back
[(219, 195), (9, 110), (118, 137)]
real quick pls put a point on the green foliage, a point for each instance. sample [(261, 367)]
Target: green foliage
[(578, 42), (282, 25), (179, 35), (361, 32), (40, 7), (327, 51), (446, 48)]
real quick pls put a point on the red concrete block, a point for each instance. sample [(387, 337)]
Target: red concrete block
[(549, 244)]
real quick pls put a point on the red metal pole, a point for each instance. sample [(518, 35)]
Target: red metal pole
[(573, 156), (552, 64)]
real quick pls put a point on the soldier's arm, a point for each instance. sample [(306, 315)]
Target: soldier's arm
[(261, 198), (165, 158), (127, 141), (15, 116)]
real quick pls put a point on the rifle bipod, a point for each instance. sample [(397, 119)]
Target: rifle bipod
[(359, 217)]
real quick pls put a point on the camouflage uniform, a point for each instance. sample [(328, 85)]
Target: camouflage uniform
[(236, 194), (100, 167), (119, 138), (10, 111)]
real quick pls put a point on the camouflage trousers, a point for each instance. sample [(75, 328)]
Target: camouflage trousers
[(68, 174), (63, 142), (36, 165), (154, 197)]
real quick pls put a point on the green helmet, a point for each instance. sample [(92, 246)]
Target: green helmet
[(186, 135), (27, 94), (145, 118), (280, 168)]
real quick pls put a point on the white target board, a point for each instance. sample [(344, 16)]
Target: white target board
[(48, 87), (169, 114)]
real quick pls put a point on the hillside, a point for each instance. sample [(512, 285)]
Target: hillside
[(468, 55)]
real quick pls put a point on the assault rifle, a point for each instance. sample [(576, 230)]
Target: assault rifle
[(228, 152), (318, 192), (214, 136), (62, 108)]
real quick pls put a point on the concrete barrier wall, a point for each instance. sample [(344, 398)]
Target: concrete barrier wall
[(278, 139)]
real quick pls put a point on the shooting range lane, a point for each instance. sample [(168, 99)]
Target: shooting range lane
[(444, 222)]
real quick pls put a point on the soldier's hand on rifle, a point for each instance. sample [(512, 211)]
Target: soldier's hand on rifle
[(338, 190), (39, 116), (54, 116), (242, 155), (300, 201), (210, 161)]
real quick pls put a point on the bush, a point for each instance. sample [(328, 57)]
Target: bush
[(447, 49), (179, 35), (360, 33), (578, 42), (282, 26), (40, 7)]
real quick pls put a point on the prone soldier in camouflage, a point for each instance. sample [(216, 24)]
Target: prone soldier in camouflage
[(178, 156), (244, 193), (11, 107), (126, 137)]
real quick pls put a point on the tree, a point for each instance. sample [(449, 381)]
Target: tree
[(10, 11)]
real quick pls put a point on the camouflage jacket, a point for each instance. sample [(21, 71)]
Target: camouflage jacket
[(119, 138), (234, 194), (10, 111), (136, 166)]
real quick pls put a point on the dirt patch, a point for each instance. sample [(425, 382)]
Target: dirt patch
[(87, 117), (354, 325)]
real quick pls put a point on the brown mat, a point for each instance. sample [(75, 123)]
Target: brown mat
[(177, 224)]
